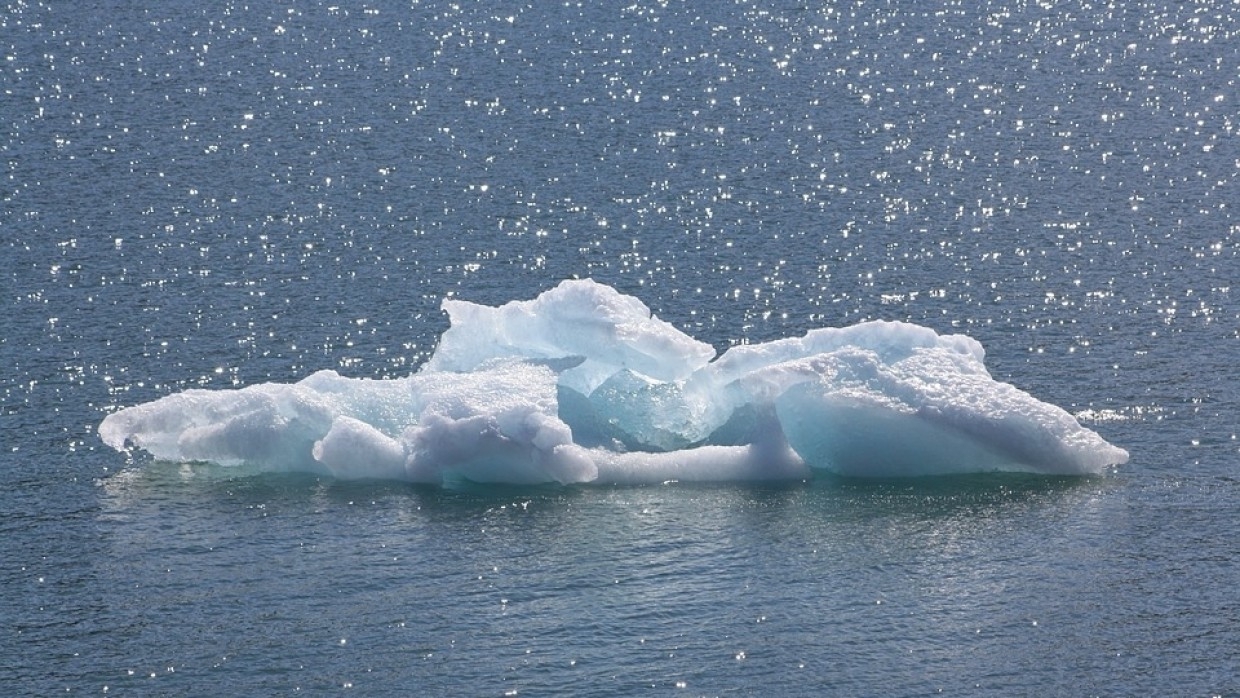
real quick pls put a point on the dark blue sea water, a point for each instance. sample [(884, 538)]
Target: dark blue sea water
[(225, 194)]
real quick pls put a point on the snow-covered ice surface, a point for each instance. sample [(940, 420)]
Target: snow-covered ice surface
[(584, 384)]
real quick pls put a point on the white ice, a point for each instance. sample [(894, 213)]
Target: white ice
[(583, 384)]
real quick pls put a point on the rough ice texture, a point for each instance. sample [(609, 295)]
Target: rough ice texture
[(580, 321), (584, 384)]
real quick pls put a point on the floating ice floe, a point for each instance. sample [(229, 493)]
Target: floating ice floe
[(584, 384)]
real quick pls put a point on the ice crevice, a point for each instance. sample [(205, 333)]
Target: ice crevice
[(584, 384)]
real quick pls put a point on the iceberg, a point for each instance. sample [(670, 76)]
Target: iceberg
[(586, 385)]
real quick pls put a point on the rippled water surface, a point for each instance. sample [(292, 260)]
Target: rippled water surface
[(217, 195)]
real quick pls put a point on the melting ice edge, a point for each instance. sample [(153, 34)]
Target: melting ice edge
[(584, 384)]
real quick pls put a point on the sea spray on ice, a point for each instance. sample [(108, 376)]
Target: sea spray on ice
[(584, 384)]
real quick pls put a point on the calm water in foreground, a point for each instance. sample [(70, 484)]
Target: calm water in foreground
[(222, 194)]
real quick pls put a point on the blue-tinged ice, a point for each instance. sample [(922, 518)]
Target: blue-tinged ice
[(583, 384), (579, 319)]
